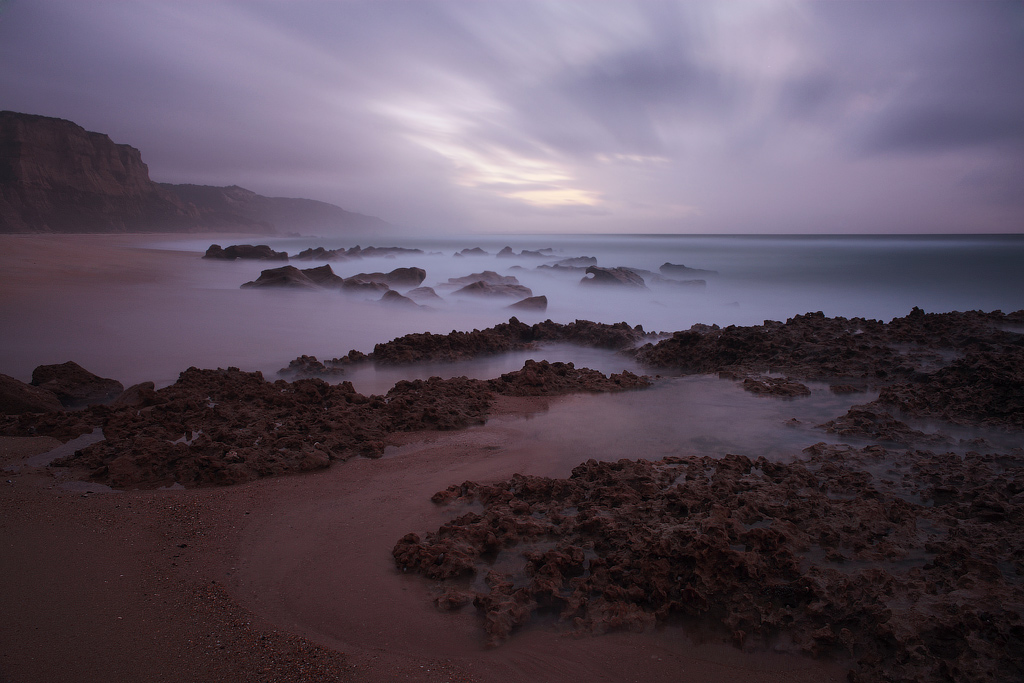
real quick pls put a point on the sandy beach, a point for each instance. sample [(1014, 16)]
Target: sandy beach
[(285, 579), (293, 578)]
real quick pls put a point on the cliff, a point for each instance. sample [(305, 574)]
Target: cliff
[(55, 176)]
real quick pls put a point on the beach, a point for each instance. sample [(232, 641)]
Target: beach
[(293, 577)]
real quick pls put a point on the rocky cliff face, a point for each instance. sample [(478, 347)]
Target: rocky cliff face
[(55, 176)]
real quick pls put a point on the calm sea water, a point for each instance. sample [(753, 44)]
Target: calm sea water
[(201, 317)]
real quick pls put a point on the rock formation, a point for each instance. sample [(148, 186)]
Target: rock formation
[(259, 252), (74, 386), (533, 303), (55, 176), (617, 277)]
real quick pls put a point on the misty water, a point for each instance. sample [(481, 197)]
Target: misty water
[(196, 314)]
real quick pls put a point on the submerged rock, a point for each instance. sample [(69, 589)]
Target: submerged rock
[(533, 303), (404, 278), (619, 277), (486, 289), (259, 252)]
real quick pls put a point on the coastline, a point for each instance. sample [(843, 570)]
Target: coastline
[(291, 578)]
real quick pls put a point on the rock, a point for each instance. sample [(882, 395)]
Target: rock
[(621, 277), (74, 385), (285, 276), (423, 294), (16, 398), (540, 253), (321, 254), (404, 278), (475, 251), (59, 177), (818, 552), (138, 396), (354, 285), (323, 276), (305, 367), (533, 303), (488, 276), (486, 289), (678, 269), (259, 252), (506, 253), (393, 298)]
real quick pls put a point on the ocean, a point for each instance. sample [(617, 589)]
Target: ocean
[(192, 312)]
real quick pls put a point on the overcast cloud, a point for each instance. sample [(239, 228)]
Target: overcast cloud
[(700, 117)]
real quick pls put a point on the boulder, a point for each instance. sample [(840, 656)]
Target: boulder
[(138, 396), (393, 298), (482, 288), (16, 398), (405, 278), (488, 276), (259, 252), (74, 385), (285, 276), (533, 303), (423, 294), (475, 251), (621, 277)]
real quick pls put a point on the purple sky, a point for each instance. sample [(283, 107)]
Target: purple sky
[(513, 116)]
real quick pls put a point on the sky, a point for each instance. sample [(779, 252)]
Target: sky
[(502, 116)]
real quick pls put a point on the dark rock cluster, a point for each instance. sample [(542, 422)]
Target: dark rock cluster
[(227, 426), (914, 573)]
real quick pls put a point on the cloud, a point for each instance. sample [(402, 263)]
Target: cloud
[(566, 116)]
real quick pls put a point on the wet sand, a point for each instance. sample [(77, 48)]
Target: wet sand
[(279, 580), (255, 582)]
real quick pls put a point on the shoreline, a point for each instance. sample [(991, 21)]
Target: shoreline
[(292, 577)]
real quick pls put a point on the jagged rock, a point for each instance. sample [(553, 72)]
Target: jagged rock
[(393, 298), (486, 289), (475, 251), (260, 252), (620, 277), (305, 367), (138, 396), (321, 254), (488, 276), (75, 386), (423, 294), (16, 398), (405, 278), (533, 303), (285, 276)]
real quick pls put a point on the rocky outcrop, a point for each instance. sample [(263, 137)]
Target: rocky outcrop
[(55, 176), (259, 252), (488, 276), (392, 298), (215, 427), (616, 277), (423, 294), (16, 398), (74, 386), (474, 251), (817, 553), (532, 303), (399, 278), (511, 336), (488, 290), (285, 276)]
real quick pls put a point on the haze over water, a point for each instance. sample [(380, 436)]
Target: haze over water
[(199, 316)]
